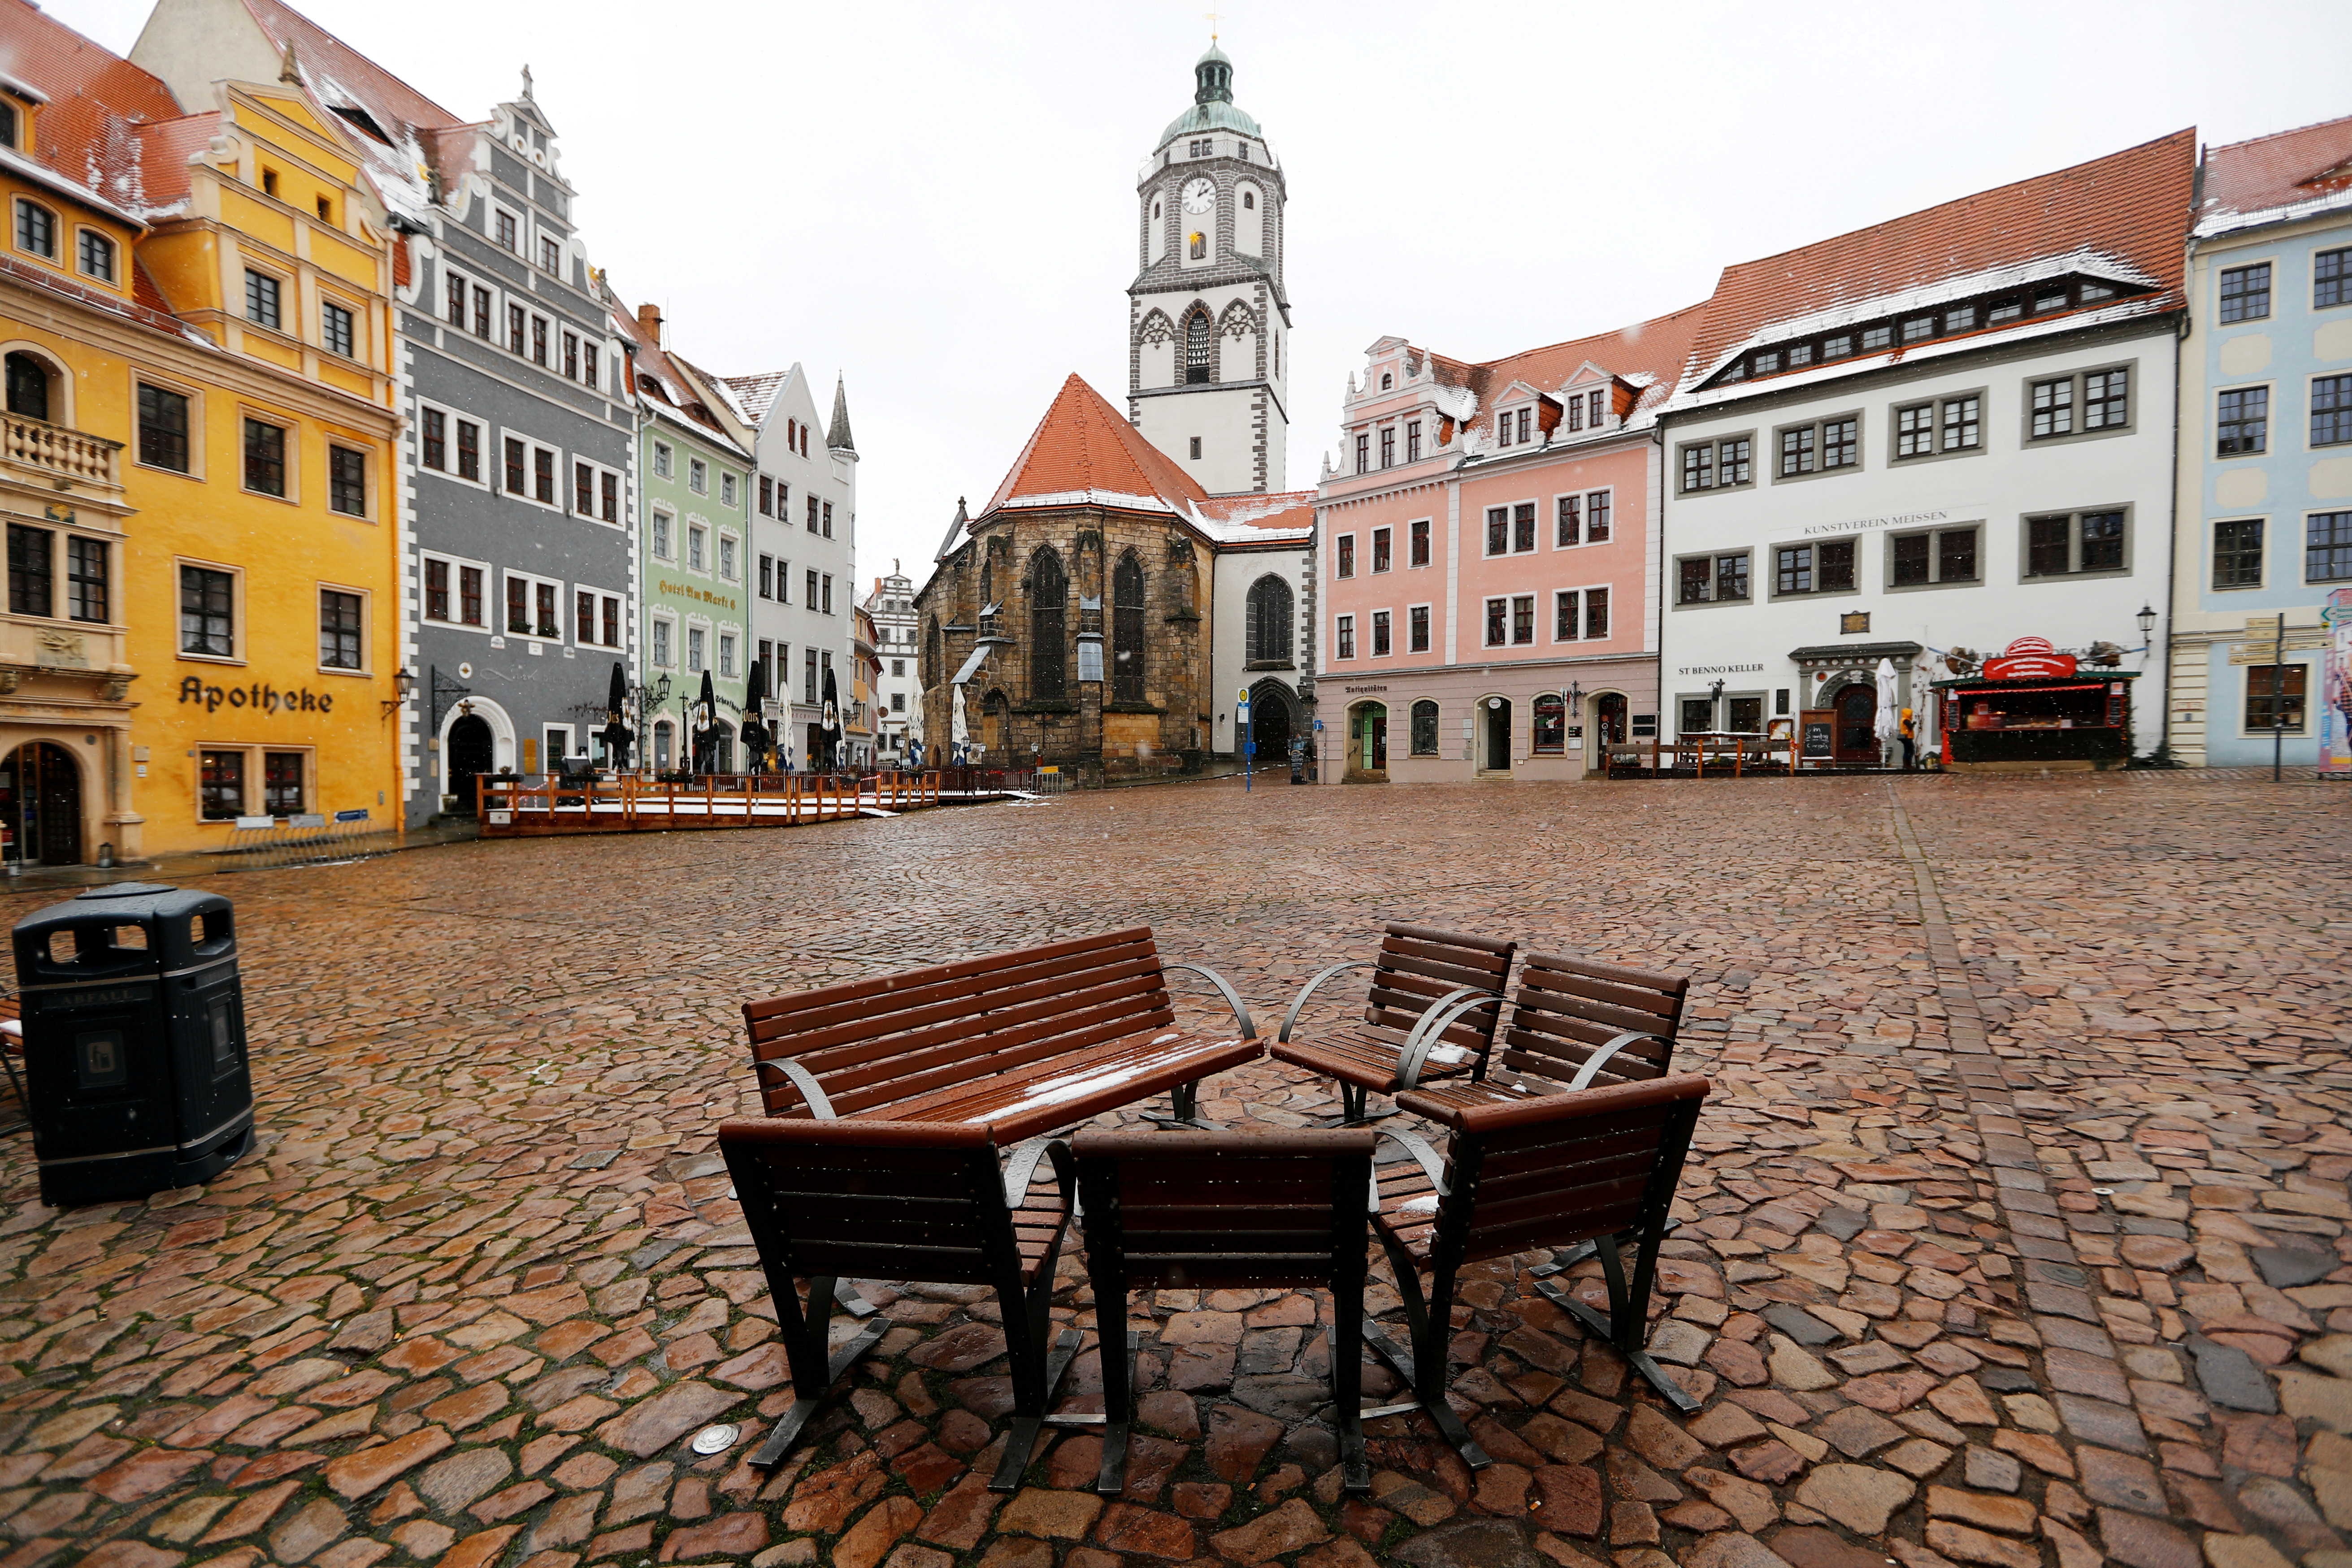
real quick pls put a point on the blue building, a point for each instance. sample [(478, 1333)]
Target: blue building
[(2264, 541)]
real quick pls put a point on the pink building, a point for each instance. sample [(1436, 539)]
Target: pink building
[(1488, 556)]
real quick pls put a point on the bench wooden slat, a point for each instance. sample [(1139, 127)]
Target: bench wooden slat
[(911, 1091), (968, 996), (860, 990), (972, 1029)]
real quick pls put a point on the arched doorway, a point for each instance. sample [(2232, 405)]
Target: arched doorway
[(722, 747), (1495, 713), (472, 750), (1368, 738), (1857, 721), (1271, 725), (40, 800), (1608, 725), (28, 387)]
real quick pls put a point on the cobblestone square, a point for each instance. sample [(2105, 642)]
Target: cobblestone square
[(2015, 1235)]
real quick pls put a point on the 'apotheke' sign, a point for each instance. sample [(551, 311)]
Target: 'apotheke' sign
[(259, 695)]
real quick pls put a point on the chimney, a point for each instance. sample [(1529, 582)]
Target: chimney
[(649, 323)]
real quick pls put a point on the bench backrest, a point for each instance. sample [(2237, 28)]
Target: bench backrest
[(1566, 1008), (870, 1043), (1417, 966), (891, 1200), (1224, 1209), (1562, 1168)]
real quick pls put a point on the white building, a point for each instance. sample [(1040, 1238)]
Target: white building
[(1948, 432), (803, 547), (898, 691)]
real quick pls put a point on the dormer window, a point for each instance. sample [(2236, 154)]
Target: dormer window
[(1963, 318), (1874, 339), (2050, 300), (269, 182), (1802, 354), (2008, 310), (8, 134), (1918, 326), (1767, 363), (1387, 381), (1514, 426), (326, 209), (97, 254), (1839, 347)]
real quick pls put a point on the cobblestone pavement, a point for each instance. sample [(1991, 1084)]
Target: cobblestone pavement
[(2015, 1239)]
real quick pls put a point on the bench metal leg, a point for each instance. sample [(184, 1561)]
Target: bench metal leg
[(1570, 1256), (1432, 1403), (1111, 1479), (1021, 1440), (1184, 1108), (1628, 1345), (1347, 1412), (1355, 1108), (788, 1430)]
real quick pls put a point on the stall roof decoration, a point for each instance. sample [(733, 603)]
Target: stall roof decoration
[(2029, 658)]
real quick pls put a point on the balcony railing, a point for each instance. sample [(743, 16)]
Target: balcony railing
[(55, 450)]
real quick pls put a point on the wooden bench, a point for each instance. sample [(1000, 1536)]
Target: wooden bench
[(1600, 1165), (1022, 1042), (1225, 1209), (1576, 1022), (832, 1200), (1429, 1013)]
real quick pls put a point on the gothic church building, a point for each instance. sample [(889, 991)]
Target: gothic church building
[(1133, 575)]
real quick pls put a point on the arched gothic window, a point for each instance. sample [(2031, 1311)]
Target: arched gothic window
[(934, 656), (1049, 595), (1266, 620), (1424, 728), (1127, 631), (28, 387), (1197, 341)]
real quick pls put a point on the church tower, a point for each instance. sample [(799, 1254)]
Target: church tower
[(1208, 320)]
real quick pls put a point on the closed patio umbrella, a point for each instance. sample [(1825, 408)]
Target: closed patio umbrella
[(959, 731), (831, 720), (1886, 724), (755, 733), (706, 726), (618, 737)]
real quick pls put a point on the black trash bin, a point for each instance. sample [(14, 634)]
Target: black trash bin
[(135, 1042)]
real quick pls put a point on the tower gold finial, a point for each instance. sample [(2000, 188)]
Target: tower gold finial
[(1212, 19)]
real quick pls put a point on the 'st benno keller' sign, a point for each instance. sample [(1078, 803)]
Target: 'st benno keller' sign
[(268, 698)]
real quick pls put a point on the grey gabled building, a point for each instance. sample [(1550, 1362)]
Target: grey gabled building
[(515, 504)]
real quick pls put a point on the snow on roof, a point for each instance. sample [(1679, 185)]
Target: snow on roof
[(101, 114), (1273, 518), (2275, 179), (757, 395)]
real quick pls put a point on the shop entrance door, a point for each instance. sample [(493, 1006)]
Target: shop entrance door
[(471, 753), (1857, 718), (1609, 722), (1498, 734), (1371, 747), (40, 800), (1270, 729)]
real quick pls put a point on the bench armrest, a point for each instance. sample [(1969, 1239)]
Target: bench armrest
[(1418, 1147), (1435, 1022), (1291, 1017), (805, 1082), (1020, 1166), (1584, 1074), (1233, 997)]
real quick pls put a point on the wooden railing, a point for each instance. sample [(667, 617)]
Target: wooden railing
[(53, 449), (630, 802)]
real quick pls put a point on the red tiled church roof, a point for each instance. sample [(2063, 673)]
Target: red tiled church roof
[(2288, 168), (1084, 452), (2131, 206), (94, 132)]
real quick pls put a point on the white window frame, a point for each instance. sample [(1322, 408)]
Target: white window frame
[(522, 229), (601, 593), (367, 627), (730, 488), (728, 644), (661, 542), (620, 488), (563, 606), (698, 474), (728, 536), (1583, 608), (492, 606), (1409, 609), (1371, 625), (237, 624), (663, 620), (1509, 507), (491, 453), (696, 626), (532, 447), (1343, 635), (665, 461), (695, 528)]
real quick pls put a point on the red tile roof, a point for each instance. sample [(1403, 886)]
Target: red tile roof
[(2289, 169), (1085, 446), (1656, 349), (2131, 206), (326, 59), (1274, 517), (93, 133)]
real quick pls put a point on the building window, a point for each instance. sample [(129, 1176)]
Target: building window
[(1711, 578), (1820, 447), (2328, 547), (698, 476), (261, 300), (539, 339), (1363, 452), (1716, 465), (1197, 339), (1126, 645), (469, 595), (663, 460), (1950, 424), (2241, 419), (85, 577), (1347, 555), (469, 451), (1498, 612), (281, 783), (1424, 728), (31, 580), (584, 490), (2074, 542), (543, 474), (339, 631), (1388, 446), (2331, 410), (97, 255), (767, 497), (482, 313), (1380, 561), (1550, 728), (696, 643), (163, 429), (827, 596), (1564, 618), (696, 544), (509, 232), (2238, 553), (336, 326), (1825, 567), (1266, 616), (347, 481), (1419, 549), (2331, 278), (812, 513), (2245, 293), (727, 490), (514, 329), (828, 520), (2274, 698), (1380, 633), (1346, 638), (571, 357), (767, 576), (436, 590), (1511, 529), (2106, 400), (220, 795), (433, 440), (611, 622), (1049, 595), (661, 642), (455, 295), (588, 363), (208, 611), (7, 125), (726, 652), (518, 606), (1523, 527), (551, 253), (809, 600), (2054, 409), (1412, 441), (1416, 628), (36, 229), (727, 556), (1947, 555), (265, 457)]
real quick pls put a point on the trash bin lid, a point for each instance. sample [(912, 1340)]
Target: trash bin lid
[(125, 890)]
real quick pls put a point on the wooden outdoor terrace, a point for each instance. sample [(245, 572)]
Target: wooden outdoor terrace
[(631, 803)]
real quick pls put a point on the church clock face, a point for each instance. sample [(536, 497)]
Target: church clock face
[(1200, 196)]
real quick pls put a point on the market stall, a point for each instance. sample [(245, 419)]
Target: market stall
[(2035, 708)]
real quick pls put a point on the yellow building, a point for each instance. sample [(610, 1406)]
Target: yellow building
[(204, 614)]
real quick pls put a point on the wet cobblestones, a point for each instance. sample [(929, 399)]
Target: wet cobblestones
[(2015, 1239)]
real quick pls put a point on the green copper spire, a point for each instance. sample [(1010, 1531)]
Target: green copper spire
[(1213, 102)]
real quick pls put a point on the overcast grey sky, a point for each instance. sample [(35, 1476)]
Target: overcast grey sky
[(935, 201)]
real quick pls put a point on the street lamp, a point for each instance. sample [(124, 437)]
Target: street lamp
[(404, 683), (2147, 619)]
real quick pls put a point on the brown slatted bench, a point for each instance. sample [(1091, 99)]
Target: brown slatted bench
[(1024, 1043), (1576, 1023)]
